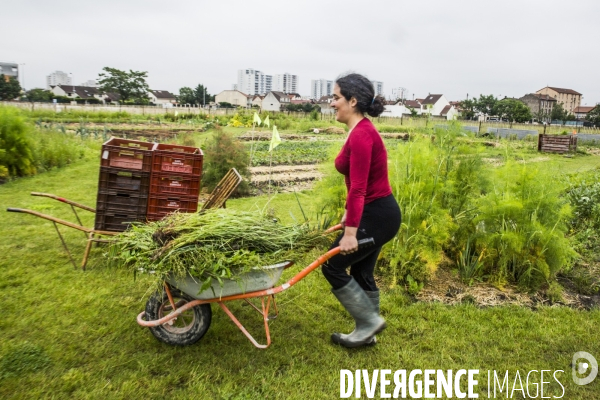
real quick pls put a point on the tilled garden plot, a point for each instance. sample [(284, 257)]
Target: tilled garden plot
[(284, 178)]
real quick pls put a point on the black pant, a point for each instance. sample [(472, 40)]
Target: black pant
[(380, 220)]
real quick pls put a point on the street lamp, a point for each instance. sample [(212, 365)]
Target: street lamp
[(23, 80)]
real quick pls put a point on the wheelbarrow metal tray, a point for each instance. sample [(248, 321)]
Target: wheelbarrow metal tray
[(260, 278)]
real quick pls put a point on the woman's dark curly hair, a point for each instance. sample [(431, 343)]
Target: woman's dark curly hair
[(359, 87)]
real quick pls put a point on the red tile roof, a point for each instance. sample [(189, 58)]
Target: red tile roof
[(561, 90), (583, 109), (412, 103)]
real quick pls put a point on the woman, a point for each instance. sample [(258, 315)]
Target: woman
[(371, 210)]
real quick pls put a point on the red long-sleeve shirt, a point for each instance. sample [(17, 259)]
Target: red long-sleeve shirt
[(363, 162)]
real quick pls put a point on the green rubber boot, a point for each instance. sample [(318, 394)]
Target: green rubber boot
[(374, 296), (365, 313)]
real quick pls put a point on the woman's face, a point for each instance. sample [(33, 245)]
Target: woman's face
[(344, 109)]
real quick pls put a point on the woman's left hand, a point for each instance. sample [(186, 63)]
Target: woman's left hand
[(349, 243)]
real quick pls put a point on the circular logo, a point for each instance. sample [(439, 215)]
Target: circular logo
[(585, 368)]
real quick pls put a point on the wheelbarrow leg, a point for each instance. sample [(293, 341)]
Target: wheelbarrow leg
[(78, 220), (64, 245), (265, 314), (88, 246), (269, 317)]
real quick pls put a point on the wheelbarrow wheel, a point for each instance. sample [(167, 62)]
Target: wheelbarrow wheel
[(187, 328)]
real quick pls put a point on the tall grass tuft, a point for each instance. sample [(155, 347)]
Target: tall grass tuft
[(522, 225), (16, 145), (221, 154), (419, 176), (54, 149), (26, 149), (506, 224)]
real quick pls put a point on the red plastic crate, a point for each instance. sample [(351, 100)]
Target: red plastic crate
[(178, 159), (159, 206), (122, 202), (127, 154), (116, 221), (124, 181), (169, 184)]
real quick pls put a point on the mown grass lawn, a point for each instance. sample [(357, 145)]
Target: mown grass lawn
[(66, 333)]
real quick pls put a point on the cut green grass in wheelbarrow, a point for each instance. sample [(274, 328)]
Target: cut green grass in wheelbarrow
[(213, 257)]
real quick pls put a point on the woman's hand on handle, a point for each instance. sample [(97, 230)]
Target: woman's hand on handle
[(349, 243)]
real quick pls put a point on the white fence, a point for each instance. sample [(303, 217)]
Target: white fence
[(477, 127)]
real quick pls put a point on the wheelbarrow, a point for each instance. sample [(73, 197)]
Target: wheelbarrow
[(217, 198), (181, 314)]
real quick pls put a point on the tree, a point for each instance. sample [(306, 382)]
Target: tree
[(513, 110), (187, 96), (594, 116), (309, 107), (39, 95), (558, 113), (486, 104), (131, 86), (291, 107), (202, 95), (222, 153), (225, 104), (9, 87), (304, 107), (199, 95), (542, 116), (413, 112), (468, 108)]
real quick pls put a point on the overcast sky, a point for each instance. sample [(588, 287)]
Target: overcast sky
[(505, 48)]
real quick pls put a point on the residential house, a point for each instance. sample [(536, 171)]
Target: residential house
[(275, 101), (234, 97), (325, 103), (541, 105), (111, 97), (257, 100), (295, 98), (569, 98), (77, 92), (395, 109), (415, 105), (450, 112), (456, 104), (433, 104), (582, 111), (162, 97)]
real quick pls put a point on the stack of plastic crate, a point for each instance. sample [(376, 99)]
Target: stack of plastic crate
[(124, 183), (175, 180)]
